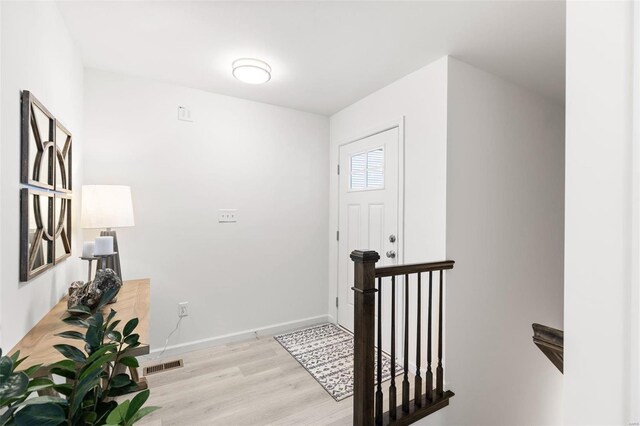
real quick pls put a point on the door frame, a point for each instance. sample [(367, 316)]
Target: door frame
[(399, 124)]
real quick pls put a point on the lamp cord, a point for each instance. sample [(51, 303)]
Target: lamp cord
[(166, 343)]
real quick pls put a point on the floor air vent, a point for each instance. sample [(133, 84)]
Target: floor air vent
[(159, 368)]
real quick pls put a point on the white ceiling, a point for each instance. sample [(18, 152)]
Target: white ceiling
[(325, 55)]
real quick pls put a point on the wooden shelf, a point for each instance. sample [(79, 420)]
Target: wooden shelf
[(133, 301)]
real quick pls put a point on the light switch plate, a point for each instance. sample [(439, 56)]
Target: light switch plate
[(227, 215)]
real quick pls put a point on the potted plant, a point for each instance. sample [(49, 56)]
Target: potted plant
[(92, 378)]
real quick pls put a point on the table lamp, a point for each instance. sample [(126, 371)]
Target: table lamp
[(106, 207)]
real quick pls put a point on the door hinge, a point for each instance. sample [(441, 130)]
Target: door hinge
[(336, 302), (337, 235), (338, 168)]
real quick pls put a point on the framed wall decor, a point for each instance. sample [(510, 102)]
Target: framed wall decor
[(36, 232), (63, 143), (62, 221), (37, 166), (45, 199)]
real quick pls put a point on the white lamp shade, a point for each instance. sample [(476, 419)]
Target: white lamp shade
[(106, 206)]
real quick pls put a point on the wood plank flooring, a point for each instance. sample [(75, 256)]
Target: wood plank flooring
[(254, 382)]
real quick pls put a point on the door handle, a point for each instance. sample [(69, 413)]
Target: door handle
[(391, 254)]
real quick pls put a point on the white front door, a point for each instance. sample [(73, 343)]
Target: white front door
[(368, 217)]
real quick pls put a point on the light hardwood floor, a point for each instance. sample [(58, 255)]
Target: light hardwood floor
[(255, 382)]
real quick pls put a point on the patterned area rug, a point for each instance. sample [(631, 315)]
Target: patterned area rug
[(326, 352)]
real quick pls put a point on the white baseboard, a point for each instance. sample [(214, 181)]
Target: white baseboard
[(210, 342)]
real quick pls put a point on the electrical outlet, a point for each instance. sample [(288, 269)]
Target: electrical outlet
[(184, 114), (227, 215), (183, 309)]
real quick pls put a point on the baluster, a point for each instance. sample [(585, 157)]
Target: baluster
[(429, 374), (379, 395), (392, 386), (405, 380), (417, 399), (439, 370)]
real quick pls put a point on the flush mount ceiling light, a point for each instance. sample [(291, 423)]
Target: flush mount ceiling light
[(252, 71)]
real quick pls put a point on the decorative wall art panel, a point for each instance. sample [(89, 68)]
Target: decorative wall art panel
[(36, 232), (38, 144), (64, 147), (62, 220), (45, 163)]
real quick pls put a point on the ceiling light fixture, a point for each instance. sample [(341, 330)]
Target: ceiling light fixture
[(252, 71)]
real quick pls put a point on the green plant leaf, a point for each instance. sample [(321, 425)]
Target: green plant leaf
[(32, 370), (130, 326), (145, 411), (71, 352), (64, 364), (71, 375), (97, 364), (14, 386), (96, 319), (90, 417), (118, 415), (132, 339), (78, 322), (103, 409), (71, 335), (65, 368), (120, 380), (79, 309), (13, 401), (115, 335), (113, 325), (83, 386), (112, 314), (131, 387), (49, 414), (136, 403), (93, 337), (129, 361), (6, 368), (107, 297), (39, 383), (19, 361), (109, 347), (64, 388), (44, 400)]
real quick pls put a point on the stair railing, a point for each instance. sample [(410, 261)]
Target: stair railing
[(368, 397)]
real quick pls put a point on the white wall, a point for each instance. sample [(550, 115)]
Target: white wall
[(505, 212), (1, 321), (484, 164), (45, 62), (266, 161), (421, 97), (598, 232)]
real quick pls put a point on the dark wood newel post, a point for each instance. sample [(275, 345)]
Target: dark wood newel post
[(364, 334)]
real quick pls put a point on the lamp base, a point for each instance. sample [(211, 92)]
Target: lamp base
[(113, 262)]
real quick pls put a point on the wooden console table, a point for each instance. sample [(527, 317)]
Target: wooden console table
[(132, 301)]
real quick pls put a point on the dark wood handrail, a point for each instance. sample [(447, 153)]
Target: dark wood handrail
[(413, 268), (367, 390), (551, 343)]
